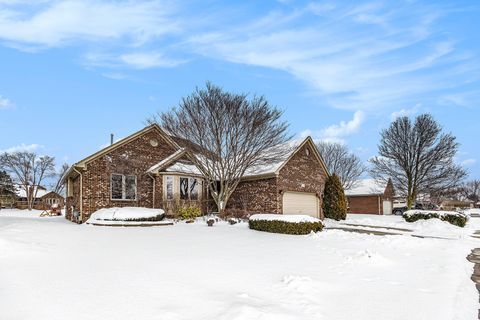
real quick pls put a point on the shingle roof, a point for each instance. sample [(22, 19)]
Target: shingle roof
[(367, 187)]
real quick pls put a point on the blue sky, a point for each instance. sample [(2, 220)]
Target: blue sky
[(72, 72)]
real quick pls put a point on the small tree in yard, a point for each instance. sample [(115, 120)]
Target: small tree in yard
[(418, 158), (230, 133), (6, 184), (334, 200), (342, 162), (28, 170)]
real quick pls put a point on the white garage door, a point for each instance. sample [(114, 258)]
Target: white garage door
[(387, 207), (300, 203)]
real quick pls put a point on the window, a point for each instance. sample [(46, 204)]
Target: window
[(169, 188), (184, 188), (193, 189), (123, 187)]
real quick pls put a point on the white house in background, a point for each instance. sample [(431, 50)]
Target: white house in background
[(370, 196)]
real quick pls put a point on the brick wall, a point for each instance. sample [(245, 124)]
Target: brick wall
[(302, 173), (256, 196), (364, 204), (132, 158)]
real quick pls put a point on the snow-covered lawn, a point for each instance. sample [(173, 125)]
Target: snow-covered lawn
[(53, 269)]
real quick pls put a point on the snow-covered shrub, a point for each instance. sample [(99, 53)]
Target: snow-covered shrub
[(455, 218), (334, 200), (286, 224), (189, 213), (127, 214)]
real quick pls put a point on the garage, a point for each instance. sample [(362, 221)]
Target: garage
[(370, 196), (300, 203)]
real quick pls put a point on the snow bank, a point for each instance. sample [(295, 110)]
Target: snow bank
[(126, 214), (284, 217), (469, 212)]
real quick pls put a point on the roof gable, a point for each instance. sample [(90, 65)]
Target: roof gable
[(291, 148), (126, 140)]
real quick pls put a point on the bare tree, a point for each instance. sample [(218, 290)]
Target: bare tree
[(59, 187), (339, 160), (229, 133), (28, 170), (471, 190), (418, 157)]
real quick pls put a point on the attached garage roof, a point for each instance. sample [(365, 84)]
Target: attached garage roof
[(367, 187)]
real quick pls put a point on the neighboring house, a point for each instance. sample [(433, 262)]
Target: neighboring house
[(151, 169), (370, 196), (44, 199), (453, 205), (51, 198)]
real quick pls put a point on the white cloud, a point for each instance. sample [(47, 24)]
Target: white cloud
[(468, 162), (337, 132), (405, 112), (136, 60), (5, 103), (56, 23), (362, 57), (144, 60), (22, 147)]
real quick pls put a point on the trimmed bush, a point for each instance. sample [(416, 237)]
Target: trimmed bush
[(189, 213), (155, 218), (334, 200), (277, 226), (457, 219)]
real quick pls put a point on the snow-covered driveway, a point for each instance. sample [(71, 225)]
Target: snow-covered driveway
[(53, 269)]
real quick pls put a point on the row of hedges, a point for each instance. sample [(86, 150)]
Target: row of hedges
[(277, 226), (456, 219)]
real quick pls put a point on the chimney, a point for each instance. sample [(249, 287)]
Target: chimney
[(111, 138)]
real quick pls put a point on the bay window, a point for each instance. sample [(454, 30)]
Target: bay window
[(184, 188)]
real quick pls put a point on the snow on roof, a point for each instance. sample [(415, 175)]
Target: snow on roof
[(184, 168), (21, 193), (367, 187), (167, 160), (288, 147)]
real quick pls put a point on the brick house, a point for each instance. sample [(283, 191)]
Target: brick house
[(44, 199), (152, 169), (370, 196)]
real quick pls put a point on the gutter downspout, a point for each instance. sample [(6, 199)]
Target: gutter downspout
[(153, 191), (81, 193)]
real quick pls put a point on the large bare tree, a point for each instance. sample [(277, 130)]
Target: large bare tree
[(418, 157), (229, 132), (339, 160), (471, 190), (28, 170)]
